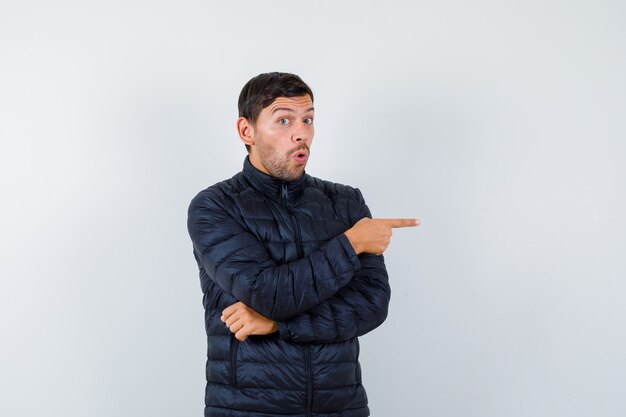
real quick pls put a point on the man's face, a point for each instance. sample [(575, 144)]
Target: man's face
[(282, 136)]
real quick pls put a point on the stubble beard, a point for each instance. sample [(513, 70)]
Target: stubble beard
[(278, 166)]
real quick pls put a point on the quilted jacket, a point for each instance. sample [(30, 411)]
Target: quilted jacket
[(279, 247)]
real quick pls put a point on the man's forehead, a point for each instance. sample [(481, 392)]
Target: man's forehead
[(296, 103)]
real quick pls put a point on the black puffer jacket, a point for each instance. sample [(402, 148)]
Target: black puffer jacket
[(279, 248)]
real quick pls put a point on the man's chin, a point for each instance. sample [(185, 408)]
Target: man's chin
[(293, 175), (296, 171), (288, 173)]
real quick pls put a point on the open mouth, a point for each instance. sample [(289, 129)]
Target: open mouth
[(301, 156)]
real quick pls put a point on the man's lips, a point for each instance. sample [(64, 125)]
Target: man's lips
[(301, 155)]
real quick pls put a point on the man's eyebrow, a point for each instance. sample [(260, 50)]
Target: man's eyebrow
[(289, 110)]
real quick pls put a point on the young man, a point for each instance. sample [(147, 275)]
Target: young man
[(290, 268)]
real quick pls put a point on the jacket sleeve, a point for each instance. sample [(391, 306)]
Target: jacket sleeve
[(354, 310), (357, 308), (239, 263)]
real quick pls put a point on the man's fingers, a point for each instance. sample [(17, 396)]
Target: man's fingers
[(394, 223), (232, 319), (236, 326), (230, 310), (242, 334)]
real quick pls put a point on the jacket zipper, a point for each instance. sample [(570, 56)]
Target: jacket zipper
[(234, 345), (294, 222), (296, 226), (309, 380), (308, 367)]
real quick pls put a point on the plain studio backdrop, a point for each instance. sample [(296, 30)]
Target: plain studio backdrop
[(500, 124)]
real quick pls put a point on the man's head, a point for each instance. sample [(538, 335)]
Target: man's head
[(276, 123)]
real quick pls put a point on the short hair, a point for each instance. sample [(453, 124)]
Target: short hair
[(262, 90)]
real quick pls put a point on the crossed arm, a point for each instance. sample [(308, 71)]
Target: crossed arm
[(300, 297), (358, 307)]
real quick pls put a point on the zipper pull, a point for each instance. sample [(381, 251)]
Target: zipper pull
[(284, 191)]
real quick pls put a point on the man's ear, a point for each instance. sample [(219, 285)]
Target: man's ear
[(246, 131)]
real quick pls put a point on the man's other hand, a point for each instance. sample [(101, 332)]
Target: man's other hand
[(244, 321), (373, 235)]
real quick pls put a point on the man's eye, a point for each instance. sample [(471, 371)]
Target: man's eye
[(308, 120), (283, 121)]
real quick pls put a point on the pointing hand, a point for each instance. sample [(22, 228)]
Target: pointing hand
[(373, 235)]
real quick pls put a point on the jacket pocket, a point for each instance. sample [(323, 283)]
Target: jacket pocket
[(234, 347)]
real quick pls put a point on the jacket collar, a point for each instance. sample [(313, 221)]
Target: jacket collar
[(272, 187)]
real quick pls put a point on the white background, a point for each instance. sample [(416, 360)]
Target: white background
[(500, 124)]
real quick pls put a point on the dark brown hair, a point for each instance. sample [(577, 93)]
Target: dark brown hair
[(262, 90)]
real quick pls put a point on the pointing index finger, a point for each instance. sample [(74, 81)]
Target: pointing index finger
[(395, 223)]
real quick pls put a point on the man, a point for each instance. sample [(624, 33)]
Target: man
[(290, 268)]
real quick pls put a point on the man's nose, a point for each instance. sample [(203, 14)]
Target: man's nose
[(301, 133)]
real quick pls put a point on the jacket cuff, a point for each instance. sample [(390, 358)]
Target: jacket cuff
[(283, 330), (349, 250)]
